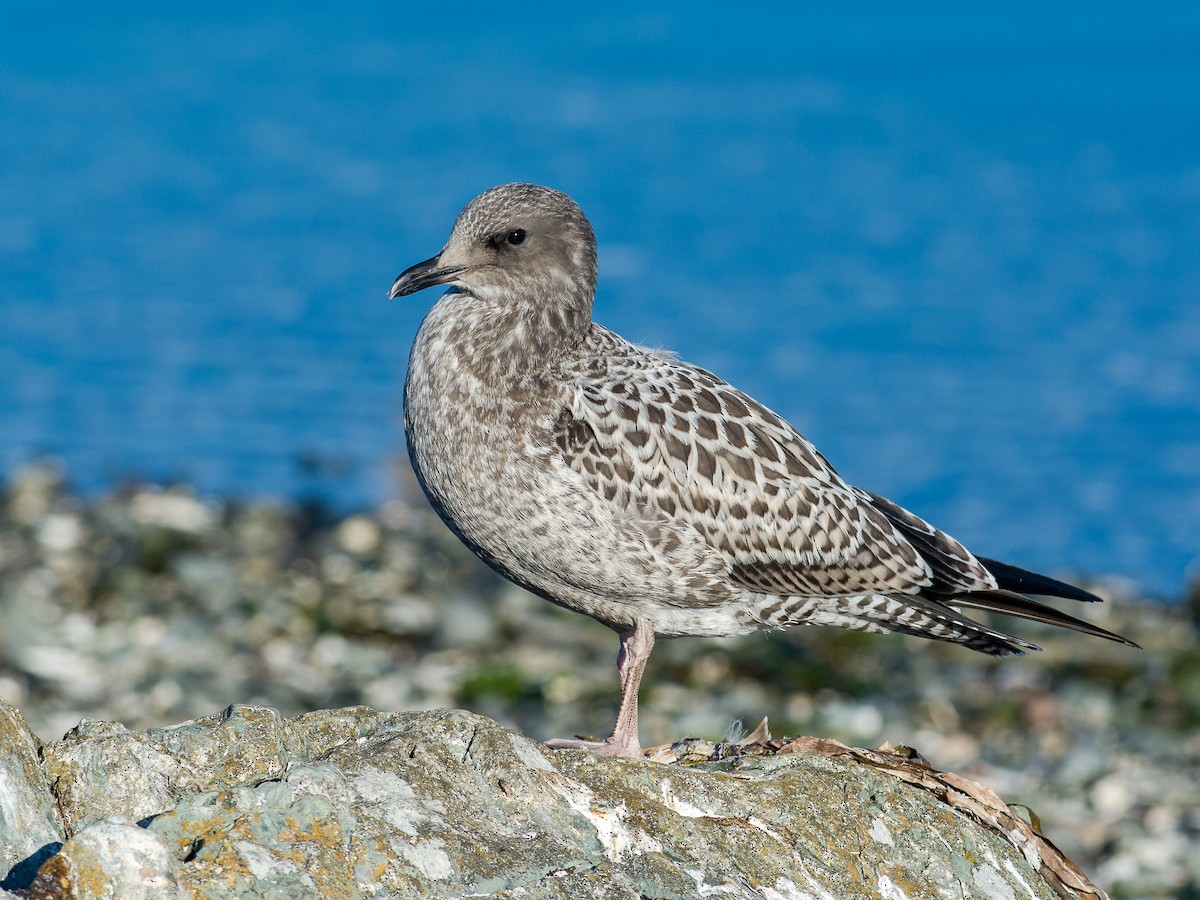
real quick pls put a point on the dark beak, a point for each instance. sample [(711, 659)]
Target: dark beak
[(422, 275)]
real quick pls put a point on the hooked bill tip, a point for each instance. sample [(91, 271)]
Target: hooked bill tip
[(424, 274)]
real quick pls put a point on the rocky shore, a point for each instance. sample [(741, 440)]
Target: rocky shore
[(151, 606), (353, 803)]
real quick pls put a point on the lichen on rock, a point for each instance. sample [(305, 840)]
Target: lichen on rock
[(446, 803)]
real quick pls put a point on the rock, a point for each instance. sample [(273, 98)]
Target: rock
[(176, 509), (30, 829), (33, 491), (100, 769), (445, 803), (359, 535), (112, 858)]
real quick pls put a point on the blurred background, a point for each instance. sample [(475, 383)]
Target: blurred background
[(954, 245), (957, 248)]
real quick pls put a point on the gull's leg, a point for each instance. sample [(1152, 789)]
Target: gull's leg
[(631, 663)]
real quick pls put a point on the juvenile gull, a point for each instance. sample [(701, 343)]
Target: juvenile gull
[(647, 493)]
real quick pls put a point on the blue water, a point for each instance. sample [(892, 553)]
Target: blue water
[(958, 249)]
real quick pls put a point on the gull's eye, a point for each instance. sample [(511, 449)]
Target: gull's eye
[(516, 236)]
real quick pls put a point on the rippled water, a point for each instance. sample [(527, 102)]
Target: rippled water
[(959, 252)]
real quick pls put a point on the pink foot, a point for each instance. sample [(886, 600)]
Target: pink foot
[(611, 747)]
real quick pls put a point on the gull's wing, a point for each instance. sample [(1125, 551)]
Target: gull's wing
[(649, 432), (660, 438)]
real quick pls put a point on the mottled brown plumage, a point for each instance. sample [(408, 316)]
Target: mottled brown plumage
[(646, 492)]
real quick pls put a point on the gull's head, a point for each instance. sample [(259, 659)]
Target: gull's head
[(511, 244)]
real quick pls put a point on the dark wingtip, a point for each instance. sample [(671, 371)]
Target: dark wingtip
[(1011, 604), (1011, 578), (1021, 581)]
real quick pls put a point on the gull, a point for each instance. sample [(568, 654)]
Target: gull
[(625, 484)]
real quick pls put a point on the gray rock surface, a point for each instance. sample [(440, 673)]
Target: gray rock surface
[(445, 803), (112, 858), (30, 828), (100, 769)]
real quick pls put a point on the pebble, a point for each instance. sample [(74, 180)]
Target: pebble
[(153, 605)]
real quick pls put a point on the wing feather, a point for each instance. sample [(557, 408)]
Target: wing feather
[(648, 432), (671, 443), (955, 568)]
